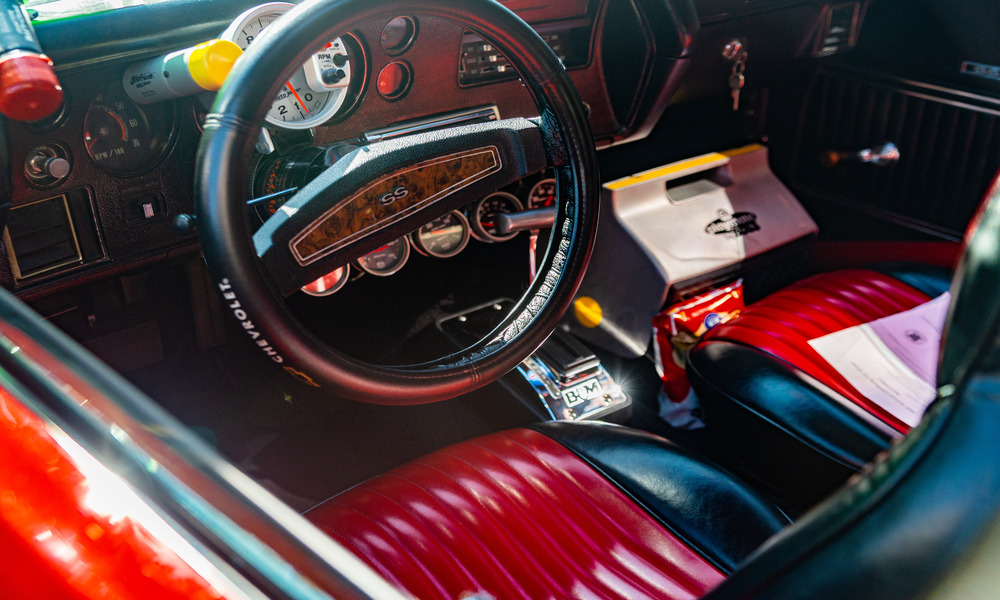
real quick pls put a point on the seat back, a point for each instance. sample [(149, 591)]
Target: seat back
[(922, 520)]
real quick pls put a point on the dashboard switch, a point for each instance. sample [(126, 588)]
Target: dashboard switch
[(144, 209), (47, 165)]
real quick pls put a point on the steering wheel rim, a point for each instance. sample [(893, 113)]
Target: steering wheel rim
[(251, 295)]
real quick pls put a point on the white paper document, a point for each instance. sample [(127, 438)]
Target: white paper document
[(892, 361)]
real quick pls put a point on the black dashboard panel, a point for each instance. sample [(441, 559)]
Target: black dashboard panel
[(129, 195), (124, 232), (626, 57)]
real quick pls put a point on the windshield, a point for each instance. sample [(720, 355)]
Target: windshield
[(49, 10)]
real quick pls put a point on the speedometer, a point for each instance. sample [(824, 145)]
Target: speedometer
[(316, 90)]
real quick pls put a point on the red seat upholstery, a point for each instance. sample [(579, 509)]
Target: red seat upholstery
[(759, 378), (519, 515)]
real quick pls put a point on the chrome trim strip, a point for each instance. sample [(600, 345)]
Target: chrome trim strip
[(487, 113), (902, 81)]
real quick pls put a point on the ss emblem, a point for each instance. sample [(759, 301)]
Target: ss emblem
[(389, 197)]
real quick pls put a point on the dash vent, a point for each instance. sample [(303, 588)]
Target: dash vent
[(841, 30), (40, 237)]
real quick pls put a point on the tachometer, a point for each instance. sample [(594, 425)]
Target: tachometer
[(124, 138), (315, 91)]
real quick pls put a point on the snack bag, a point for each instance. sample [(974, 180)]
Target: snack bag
[(677, 329)]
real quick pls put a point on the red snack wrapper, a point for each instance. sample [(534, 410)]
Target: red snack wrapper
[(677, 329)]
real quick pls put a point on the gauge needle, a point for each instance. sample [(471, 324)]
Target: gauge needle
[(445, 230), (296, 94), (120, 124)]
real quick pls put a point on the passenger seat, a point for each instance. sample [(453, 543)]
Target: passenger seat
[(790, 419)]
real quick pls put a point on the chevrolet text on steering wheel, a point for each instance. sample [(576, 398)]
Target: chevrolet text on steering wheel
[(379, 192)]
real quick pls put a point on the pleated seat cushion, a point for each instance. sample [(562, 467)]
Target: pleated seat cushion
[(519, 515)]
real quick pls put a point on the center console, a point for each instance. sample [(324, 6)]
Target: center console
[(681, 229)]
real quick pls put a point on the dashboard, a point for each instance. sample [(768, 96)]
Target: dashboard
[(106, 184), (107, 176)]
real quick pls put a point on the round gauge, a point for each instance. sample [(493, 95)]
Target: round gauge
[(329, 283), (483, 217), (316, 90), (445, 236), (394, 80), (275, 178), (398, 34), (542, 194), (124, 138), (386, 260)]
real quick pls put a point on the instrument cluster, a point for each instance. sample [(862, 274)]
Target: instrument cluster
[(126, 137), (277, 178), (132, 134)]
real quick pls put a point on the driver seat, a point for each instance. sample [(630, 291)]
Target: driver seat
[(587, 510), (560, 510)]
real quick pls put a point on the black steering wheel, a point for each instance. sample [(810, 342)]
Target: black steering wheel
[(383, 191)]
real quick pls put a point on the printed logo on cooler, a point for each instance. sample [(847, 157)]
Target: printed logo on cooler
[(733, 225), (712, 319)]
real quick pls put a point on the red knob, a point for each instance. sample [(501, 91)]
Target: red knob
[(29, 90)]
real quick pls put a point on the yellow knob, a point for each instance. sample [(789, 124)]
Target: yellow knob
[(588, 312), (210, 62)]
